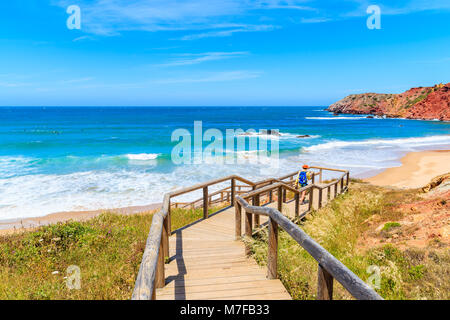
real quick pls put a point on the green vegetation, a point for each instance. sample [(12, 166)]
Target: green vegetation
[(390, 225), (420, 98), (408, 274), (107, 249)]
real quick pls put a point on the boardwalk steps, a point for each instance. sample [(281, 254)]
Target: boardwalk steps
[(208, 263), (208, 260)]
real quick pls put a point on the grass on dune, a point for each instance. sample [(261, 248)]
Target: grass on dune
[(108, 250), (408, 274)]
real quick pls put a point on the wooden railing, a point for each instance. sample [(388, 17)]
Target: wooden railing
[(329, 267), (151, 271)]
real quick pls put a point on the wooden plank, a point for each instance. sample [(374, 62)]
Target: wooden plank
[(210, 288), (225, 294), (272, 255), (238, 221), (165, 237), (215, 280), (248, 230), (280, 198), (324, 284), (205, 202), (256, 200), (160, 276), (233, 190), (320, 197)]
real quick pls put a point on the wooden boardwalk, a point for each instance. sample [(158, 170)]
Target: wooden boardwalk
[(206, 262), (207, 259)]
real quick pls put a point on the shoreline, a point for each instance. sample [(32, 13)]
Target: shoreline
[(416, 170)]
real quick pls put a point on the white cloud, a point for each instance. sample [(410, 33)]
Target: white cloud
[(314, 20), (228, 32), (216, 77), (190, 59), (111, 17), (14, 84), (78, 80), (83, 38), (222, 18)]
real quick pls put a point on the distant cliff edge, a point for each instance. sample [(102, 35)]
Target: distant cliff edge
[(427, 103)]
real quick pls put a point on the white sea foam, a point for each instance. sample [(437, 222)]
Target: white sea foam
[(10, 166), (142, 156), (335, 118), (281, 136), (405, 143), (25, 196)]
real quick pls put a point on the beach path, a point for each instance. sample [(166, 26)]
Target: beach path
[(206, 262)]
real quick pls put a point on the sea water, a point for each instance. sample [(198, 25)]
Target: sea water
[(80, 158)]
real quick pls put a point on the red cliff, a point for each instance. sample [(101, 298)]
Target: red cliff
[(425, 103)]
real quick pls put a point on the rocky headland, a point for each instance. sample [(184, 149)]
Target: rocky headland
[(426, 103)]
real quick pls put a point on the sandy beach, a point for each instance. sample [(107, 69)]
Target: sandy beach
[(417, 169)]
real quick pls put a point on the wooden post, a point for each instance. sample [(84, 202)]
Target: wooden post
[(270, 196), (154, 293), (238, 216), (165, 238), (313, 177), (233, 186), (320, 197), (311, 198), (328, 193), (324, 285), (348, 179), (254, 197), (297, 204), (169, 221), (342, 184), (320, 178), (284, 195), (256, 216), (248, 230), (272, 254), (159, 276), (280, 198), (335, 189), (205, 203)]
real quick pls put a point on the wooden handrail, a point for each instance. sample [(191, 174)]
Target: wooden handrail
[(151, 271), (329, 266)]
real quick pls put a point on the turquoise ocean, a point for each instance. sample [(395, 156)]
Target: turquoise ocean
[(87, 158)]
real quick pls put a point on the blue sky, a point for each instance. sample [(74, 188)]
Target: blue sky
[(208, 52)]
